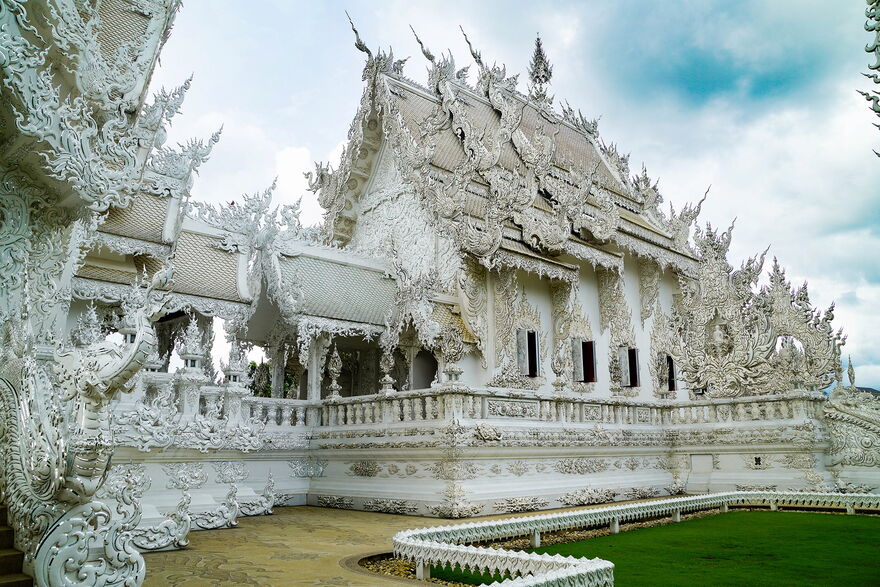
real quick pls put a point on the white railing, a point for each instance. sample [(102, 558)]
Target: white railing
[(275, 412), (511, 405), (453, 545)]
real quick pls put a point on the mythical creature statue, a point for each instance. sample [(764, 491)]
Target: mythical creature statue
[(56, 446)]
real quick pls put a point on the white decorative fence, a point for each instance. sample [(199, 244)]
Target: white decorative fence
[(453, 545)]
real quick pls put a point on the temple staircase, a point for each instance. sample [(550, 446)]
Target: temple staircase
[(10, 558)]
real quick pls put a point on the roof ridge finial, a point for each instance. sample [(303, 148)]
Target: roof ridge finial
[(478, 57), (540, 72), (425, 51), (358, 43)]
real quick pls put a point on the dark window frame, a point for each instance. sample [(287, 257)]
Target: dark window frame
[(632, 357), (588, 360), (672, 384), (532, 357)]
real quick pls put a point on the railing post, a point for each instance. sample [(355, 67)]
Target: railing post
[(850, 509), (615, 526), (724, 508), (386, 411), (535, 540), (676, 516), (774, 506), (423, 571)]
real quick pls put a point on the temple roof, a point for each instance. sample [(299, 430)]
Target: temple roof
[(340, 290), (571, 145), (200, 267)]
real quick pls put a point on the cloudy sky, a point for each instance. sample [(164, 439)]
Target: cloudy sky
[(755, 98)]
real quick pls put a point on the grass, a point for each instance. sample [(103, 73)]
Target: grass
[(738, 548)]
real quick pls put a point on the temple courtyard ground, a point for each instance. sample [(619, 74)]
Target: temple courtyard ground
[(294, 546), (321, 546)]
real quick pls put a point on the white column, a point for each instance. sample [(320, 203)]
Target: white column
[(316, 367), (279, 361)]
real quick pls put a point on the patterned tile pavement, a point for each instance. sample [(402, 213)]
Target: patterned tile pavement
[(294, 546)]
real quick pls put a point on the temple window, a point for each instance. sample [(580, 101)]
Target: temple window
[(670, 373), (584, 359), (629, 367), (529, 353)]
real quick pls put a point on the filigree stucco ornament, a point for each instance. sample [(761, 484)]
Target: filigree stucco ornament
[(152, 423), (587, 496), (616, 317), (514, 313), (853, 419), (563, 298), (185, 476), (809, 356), (725, 337), (662, 345), (169, 533), (224, 516), (334, 370), (412, 307), (474, 301), (262, 506), (56, 444), (872, 25)]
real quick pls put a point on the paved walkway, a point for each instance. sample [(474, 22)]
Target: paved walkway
[(300, 545), (294, 546)]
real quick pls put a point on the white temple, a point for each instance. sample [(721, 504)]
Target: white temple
[(496, 315)]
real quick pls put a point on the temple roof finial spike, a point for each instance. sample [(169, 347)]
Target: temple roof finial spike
[(540, 70), (425, 51), (474, 53), (358, 43)]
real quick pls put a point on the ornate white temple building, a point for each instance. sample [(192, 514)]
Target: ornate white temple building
[(497, 315)]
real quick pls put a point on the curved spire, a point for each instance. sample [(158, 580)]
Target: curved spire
[(358, 43), (425, 51), (478, 57), (540, 72)]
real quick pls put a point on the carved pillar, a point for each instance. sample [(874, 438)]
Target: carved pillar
[(561, 293), (317, 352), (278, 359), (386, 364), (409, 354), (334, 369), (192, 376), (293, 392)]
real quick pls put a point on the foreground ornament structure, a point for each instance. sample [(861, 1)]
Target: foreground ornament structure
[(495, 316)]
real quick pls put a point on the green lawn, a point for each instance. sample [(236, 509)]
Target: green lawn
[(738, 548)]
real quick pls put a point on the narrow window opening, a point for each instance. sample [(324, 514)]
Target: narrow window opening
[(757, 461), (532, 341), (670, 372), (632, 356), (588, 355)]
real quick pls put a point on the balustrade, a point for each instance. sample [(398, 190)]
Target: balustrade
[(474, 404)]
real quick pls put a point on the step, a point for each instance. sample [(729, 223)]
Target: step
[(6, 537), (10, 561), (16, 580)]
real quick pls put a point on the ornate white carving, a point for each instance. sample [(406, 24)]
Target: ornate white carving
[(223, 517), (185, 476), (587, 496), (263, 506)]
